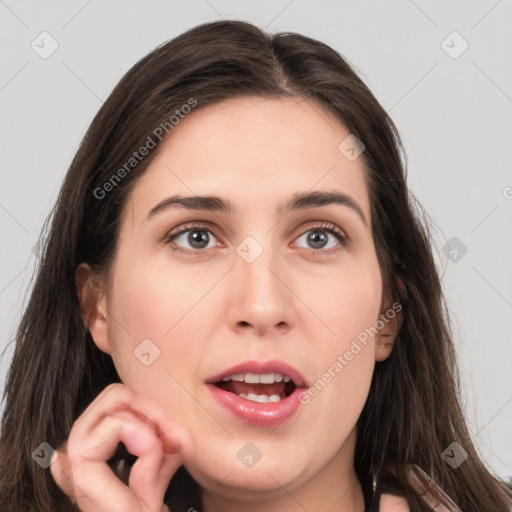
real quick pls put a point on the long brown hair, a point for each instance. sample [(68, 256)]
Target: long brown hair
[(412, 412)]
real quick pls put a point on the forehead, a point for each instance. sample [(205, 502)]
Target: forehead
[(248, 148)]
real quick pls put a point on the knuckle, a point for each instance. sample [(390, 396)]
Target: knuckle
[(154, 442), (113, 386), (119, 389), (73, 449)]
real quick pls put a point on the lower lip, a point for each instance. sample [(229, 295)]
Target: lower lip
[(268, 415)]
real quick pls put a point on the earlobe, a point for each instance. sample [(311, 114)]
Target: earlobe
[(93, 306), (384, 347), (391, 317)]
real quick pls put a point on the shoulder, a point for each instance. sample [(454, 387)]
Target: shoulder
[(391, 503)]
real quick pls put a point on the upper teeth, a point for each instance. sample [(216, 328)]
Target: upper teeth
[(258, 378)]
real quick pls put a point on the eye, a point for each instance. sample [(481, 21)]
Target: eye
[(318, 238), (197, 236), (200, 237)]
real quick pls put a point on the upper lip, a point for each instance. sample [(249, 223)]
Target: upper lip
[(273, 366)]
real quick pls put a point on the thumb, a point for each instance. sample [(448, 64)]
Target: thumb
[(61, 471)]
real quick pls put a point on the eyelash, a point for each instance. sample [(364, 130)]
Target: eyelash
[(342, 238)]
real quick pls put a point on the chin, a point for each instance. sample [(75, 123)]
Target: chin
[(264, 477)]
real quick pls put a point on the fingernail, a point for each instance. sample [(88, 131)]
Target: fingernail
[(54, 456)]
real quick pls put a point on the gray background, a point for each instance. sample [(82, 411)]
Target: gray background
[(454, 114)]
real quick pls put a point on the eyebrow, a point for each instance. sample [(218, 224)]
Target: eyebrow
[(299, 201)]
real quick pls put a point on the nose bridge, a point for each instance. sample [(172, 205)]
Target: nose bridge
[(257, 266), (261, 298)]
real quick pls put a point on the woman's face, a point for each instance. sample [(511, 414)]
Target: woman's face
[(256, 282)]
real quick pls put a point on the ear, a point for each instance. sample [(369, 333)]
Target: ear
[(391, 317), (93, 305)]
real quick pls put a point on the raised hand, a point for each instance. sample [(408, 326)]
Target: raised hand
[(116, 415)]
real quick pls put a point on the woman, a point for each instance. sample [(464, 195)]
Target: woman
[(237, 307)]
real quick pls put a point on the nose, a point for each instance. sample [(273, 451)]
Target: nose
[(260, 297)]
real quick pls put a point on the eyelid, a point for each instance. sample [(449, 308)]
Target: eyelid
[(322, 225)]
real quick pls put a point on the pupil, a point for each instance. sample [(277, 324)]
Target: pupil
[(198, 237), (314, 238)]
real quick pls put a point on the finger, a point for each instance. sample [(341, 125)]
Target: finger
[(118, 397), (152, 472), (61, 471), (174, 437), (95, 483), (96, 486)]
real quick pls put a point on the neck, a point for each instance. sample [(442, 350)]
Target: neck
[(335, 488)]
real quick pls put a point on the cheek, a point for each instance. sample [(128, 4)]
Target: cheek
[(154, 324), (346, 353), (347, 301), (345, 350), (154, 301)]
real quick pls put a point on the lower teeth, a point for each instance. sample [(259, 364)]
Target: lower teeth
[(260, 398)]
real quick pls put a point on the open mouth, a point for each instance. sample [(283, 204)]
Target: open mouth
[(264, 394), (262, 388)]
